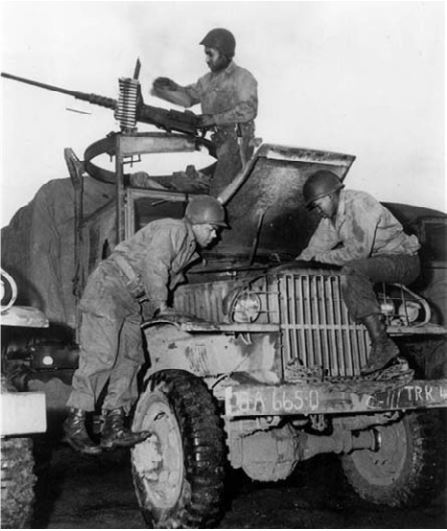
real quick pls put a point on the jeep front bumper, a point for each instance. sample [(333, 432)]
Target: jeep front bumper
[(306, 399)]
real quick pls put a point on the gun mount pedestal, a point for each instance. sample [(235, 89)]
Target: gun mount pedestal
[(138, 197)]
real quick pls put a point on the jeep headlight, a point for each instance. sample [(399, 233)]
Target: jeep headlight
[(409, 311), (246, 308)]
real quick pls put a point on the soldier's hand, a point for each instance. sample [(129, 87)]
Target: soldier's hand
[(205, 120), (305, 256), (164, 83)]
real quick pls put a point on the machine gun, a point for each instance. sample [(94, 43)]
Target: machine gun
[(129, 108)]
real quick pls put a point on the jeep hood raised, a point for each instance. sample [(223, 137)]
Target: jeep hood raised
[(265, 205)]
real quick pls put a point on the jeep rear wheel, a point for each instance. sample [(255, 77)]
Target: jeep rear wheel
[(178, 473), (408, 469)]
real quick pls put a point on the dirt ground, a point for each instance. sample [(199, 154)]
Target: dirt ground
[(96, 492)]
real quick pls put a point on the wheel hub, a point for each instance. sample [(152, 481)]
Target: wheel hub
[(159, 459), (148, 458), (384, 465)]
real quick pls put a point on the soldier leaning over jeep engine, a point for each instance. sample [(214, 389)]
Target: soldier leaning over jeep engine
[(361, 235), (141, 270)]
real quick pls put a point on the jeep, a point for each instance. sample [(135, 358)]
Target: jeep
[(267, 373)]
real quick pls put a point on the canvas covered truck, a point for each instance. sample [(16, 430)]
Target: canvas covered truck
[(23, 414)]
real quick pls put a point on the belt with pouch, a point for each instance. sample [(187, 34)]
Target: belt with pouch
[(133, 283)]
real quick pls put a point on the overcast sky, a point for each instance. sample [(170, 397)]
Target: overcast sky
[(364, 78)]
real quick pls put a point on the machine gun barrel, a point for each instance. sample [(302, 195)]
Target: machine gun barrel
[(170, 120), (110, 103)]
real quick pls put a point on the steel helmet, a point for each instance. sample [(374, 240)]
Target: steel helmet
[(319, 184), (222, 40), (203, 209)]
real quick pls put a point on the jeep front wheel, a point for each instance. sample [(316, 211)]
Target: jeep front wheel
[(178, 472), (408, 467)]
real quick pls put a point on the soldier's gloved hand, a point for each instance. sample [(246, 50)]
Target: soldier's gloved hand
[(205, 120), (164, 83)]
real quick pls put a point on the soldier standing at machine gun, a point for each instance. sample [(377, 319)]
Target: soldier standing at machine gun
[(363, 237), (229, 99), (141, 270)]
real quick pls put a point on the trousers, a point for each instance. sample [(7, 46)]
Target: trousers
[(229, 161), (359, 276), (111, 345)]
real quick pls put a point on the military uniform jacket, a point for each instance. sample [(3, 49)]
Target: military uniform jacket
[(362, 228), (157, 254), (230, 95)]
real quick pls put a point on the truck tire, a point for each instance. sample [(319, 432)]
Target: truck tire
[(17, 480), (17, 477), (178, 473), (408, 469), (434, 358)]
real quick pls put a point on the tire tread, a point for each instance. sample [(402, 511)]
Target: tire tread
[(204, 452), (424, 474)]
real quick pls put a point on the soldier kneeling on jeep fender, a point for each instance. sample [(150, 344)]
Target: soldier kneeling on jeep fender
[(140, 270), (363, 237)]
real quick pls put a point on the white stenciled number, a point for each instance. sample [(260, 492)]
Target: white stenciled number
[(288, 405), (277, 402), (281, 401), (299, 402), (314, 400)]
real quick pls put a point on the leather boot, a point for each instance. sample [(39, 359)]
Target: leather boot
[(383, 349), (76, 433), (115, 434)]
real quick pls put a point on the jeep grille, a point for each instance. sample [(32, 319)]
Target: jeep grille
[(316, 329)]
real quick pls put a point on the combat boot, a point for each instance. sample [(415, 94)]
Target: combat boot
[(76, 433), (383, 348), (115, 434)]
